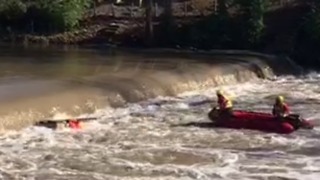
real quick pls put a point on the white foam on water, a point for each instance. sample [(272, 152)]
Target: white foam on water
[(151, 140)]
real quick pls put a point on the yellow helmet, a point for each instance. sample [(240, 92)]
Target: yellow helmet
[(219, 92), (280, 99)]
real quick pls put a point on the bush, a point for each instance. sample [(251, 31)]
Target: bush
[(312, 22), (252, 23), (62, 15), (68, 13), (42, 15), (306, 51), (11, 12)]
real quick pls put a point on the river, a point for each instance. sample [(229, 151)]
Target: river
[(148, 139)]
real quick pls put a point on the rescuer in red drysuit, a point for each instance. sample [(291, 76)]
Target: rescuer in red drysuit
[(74, 124), (224, 105), (280, 108)]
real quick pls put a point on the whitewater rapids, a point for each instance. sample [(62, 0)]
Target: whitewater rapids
[(147, 140)]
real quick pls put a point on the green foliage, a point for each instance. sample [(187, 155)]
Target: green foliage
[(308, 40), (221, 30), (312, 21), (42, 15), (11, 11), (68, 13), (252, 12), (65, 14)]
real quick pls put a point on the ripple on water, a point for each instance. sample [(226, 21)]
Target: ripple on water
[(150, 140)]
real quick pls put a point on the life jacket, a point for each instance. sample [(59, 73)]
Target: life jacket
[(224, 102), (280, 109), (74, 124)]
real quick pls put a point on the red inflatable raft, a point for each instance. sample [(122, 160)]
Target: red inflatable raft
[(259, 121)]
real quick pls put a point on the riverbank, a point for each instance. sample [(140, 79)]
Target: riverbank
[(283, 36), (122, 32), (107, 23)]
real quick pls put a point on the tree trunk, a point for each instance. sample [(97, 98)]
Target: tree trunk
[(168, 8), (222, 7), (149, 24), (169, 23)]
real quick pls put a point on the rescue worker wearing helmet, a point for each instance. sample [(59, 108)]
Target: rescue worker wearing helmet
[(224, 104), (280, 108)]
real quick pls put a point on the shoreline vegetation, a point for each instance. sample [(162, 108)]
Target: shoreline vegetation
[(286, 27)]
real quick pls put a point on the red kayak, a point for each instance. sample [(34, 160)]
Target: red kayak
[(259, 121)]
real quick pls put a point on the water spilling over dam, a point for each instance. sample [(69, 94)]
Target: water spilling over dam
[(37, 83), (143, 101)]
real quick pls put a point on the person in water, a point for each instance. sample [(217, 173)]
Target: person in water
[(224, 104), (280, 108)]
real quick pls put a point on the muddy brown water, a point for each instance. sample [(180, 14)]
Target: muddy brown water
[(143, 101), (38, 82)]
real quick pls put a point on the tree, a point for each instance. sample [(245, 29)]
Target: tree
[(222, 8), (11, 12), (252, 12), (42, 16), (68, 13), (307, 44), (168, 24), (149, 22), (200, 5), (312, 21)]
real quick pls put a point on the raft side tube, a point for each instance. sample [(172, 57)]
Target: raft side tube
[(260, 121)]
